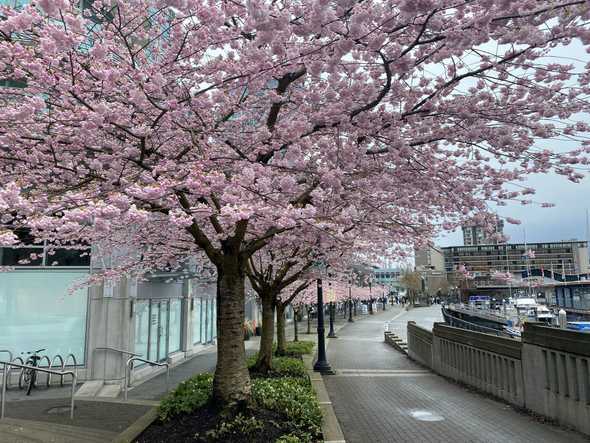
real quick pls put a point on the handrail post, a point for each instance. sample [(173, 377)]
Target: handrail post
[(126, 381), (74, 382), (3, 392)]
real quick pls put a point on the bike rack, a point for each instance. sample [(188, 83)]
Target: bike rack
[(10, 367), (46, 358), (8, 364), (129, 366), (62, 366)]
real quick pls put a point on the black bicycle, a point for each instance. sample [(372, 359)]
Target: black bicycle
[(28, 376)]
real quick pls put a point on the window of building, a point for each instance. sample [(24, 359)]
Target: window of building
[(38, 311), (196, 314)]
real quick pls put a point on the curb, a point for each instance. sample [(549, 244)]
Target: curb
[(331, 429), (140, 425)]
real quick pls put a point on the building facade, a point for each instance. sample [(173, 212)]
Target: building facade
[(388, 277), (567, 257), (164, 318), (474, 234)]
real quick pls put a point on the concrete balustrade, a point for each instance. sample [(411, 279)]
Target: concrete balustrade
[(557, 379), (419, 344), (547, 372)]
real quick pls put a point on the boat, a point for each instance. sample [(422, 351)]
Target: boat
[(507, 317)]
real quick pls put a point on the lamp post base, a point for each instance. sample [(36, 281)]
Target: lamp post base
[(323, 367)]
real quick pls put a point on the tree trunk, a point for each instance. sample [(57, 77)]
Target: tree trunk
[(264, 361), (308, 320), (295, 332), (281, 345), (231, 383)]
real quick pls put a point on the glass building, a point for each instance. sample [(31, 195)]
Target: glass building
[(44, 304)]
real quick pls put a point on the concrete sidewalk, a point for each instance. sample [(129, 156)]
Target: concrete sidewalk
[(44, 416), (379, 395)]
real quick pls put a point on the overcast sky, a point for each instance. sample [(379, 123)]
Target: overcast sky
[(565, 221)]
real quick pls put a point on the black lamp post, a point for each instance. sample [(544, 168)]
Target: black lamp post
[(321, 365), (350, 320), (332, 334)]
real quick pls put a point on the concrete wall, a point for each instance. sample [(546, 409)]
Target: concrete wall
[(556, 363), (420, 344), (487, 362), (548, 372)]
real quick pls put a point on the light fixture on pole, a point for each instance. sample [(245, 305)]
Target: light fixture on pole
[(321, 365)]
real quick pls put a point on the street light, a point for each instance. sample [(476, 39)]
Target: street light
[(331, 333), (321, 365), (350, 320)]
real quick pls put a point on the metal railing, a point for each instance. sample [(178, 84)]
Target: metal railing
[(149, 362), (8, 364), (460, 323), (121, 351), (6, 351)]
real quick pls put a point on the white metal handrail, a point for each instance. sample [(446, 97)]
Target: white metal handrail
[(7, 371), (149, 362), (121, 351), (6, 351), (36, 368)]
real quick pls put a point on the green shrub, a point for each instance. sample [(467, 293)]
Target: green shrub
[(293, 397), (288, 439), (189, 395), (288, 367), (282, 366), (298, 348), (239, 426)]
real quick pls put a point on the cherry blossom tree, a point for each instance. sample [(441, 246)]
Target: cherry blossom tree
[(171, 128)]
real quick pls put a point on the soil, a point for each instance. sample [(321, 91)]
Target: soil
[(194, 427)]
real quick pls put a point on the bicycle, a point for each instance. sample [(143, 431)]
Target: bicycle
[(28, 376)]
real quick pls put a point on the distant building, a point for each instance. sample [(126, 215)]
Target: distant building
[(430, 263), (429, 258), (477, 235), (568, 257), (388, 277)]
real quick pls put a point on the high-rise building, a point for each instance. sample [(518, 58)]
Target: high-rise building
[(474, 234)]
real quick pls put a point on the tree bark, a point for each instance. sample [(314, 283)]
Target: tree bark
[(281, 342), (264, 361), (231, 383), (308, 320)]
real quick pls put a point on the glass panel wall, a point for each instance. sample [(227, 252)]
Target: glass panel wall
[(205, 305), (37, 311), (142, 327), (196, 314), (210, 322), (175, 325), (214, 318), (163, 330)]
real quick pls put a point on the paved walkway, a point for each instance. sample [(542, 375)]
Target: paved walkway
[(44, 416), (379, 395)]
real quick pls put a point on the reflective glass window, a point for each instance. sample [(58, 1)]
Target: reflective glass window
[(38, 311), (142, 327), (175, 325), (196, 314)]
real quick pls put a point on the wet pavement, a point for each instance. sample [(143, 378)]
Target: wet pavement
[(379, 395)]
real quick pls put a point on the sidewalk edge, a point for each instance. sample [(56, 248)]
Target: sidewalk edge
[(136, 428)]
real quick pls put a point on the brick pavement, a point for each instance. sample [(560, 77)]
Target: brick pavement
[(388, 398)]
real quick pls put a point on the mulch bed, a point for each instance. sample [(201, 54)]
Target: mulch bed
[(193, 428)]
